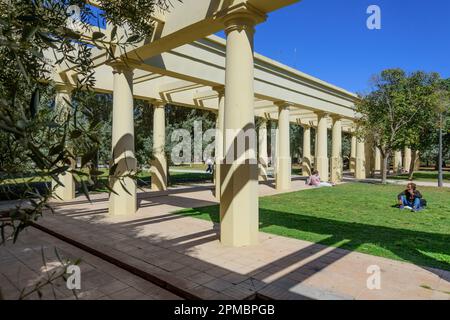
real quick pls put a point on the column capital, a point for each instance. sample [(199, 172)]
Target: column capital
[(282, 104), (220, 89), (122, 66), (63, 88), (321, 114), (158, 104), (243, 17), (305, 126), (336, 117)]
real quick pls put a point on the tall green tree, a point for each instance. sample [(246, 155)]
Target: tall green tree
[(397, 111)]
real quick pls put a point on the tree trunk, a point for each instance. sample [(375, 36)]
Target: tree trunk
[(412, 165)]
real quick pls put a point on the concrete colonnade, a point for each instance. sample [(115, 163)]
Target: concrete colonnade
[(159, 162), (239, 212), (66, 191), (283, 176), (322, 164), (123, 200), (262, 150)]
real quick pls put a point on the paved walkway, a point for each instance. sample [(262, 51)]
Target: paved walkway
[(22, 266), (185, 252)]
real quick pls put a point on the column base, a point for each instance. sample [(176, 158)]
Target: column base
[(322, 165), (66, 192), (336, 169), (283, 180), (125, 201), (239, 212)]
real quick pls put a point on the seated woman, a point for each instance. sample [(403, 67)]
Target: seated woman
[(411, 198), (314, 180)]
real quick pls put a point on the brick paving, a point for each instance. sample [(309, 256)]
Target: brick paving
[(22, 266)]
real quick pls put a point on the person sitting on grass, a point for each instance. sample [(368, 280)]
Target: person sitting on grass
[(411, 198), (314, 180)]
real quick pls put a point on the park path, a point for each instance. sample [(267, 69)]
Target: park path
[(185, 252)]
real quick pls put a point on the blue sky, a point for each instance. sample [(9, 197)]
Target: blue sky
[(332, 41)]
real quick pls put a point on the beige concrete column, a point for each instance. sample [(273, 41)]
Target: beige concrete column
[(353, 154), (66, 191), (377, 160), (123, 201), (159, 161), (322, 164), (316, 139), (417, 162), (283, 177), (407, 159), (360, 160), (370, 158), (263, 157), (306, 160), (336, 155), (239, 175), (219, 137), (397, 162)]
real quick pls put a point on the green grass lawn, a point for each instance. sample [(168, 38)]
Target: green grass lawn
[(423, 176), (359, 217)]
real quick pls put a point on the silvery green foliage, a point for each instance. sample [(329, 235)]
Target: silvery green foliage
[(39, 140)]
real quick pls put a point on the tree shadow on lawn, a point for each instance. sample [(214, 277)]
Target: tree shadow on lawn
[(393, 243)]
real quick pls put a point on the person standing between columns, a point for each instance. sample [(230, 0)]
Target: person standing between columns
[(336, 157), (159, 161), (306, 159), (283, 176), (263, 157), (239, 175), (66, 191), (322, 146), (123, 200)]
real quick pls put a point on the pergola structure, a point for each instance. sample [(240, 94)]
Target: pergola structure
[(184, 64)]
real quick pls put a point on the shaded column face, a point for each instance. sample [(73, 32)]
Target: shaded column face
[(283, 177), (66, 191), (397, 162), (263, 156), (407, 155), (159, 161), (336, 157), (239, 173), (322, 147), (353, 154), (377, 159), (360, 165), (123, 201), (306, 160), (219, 139)]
